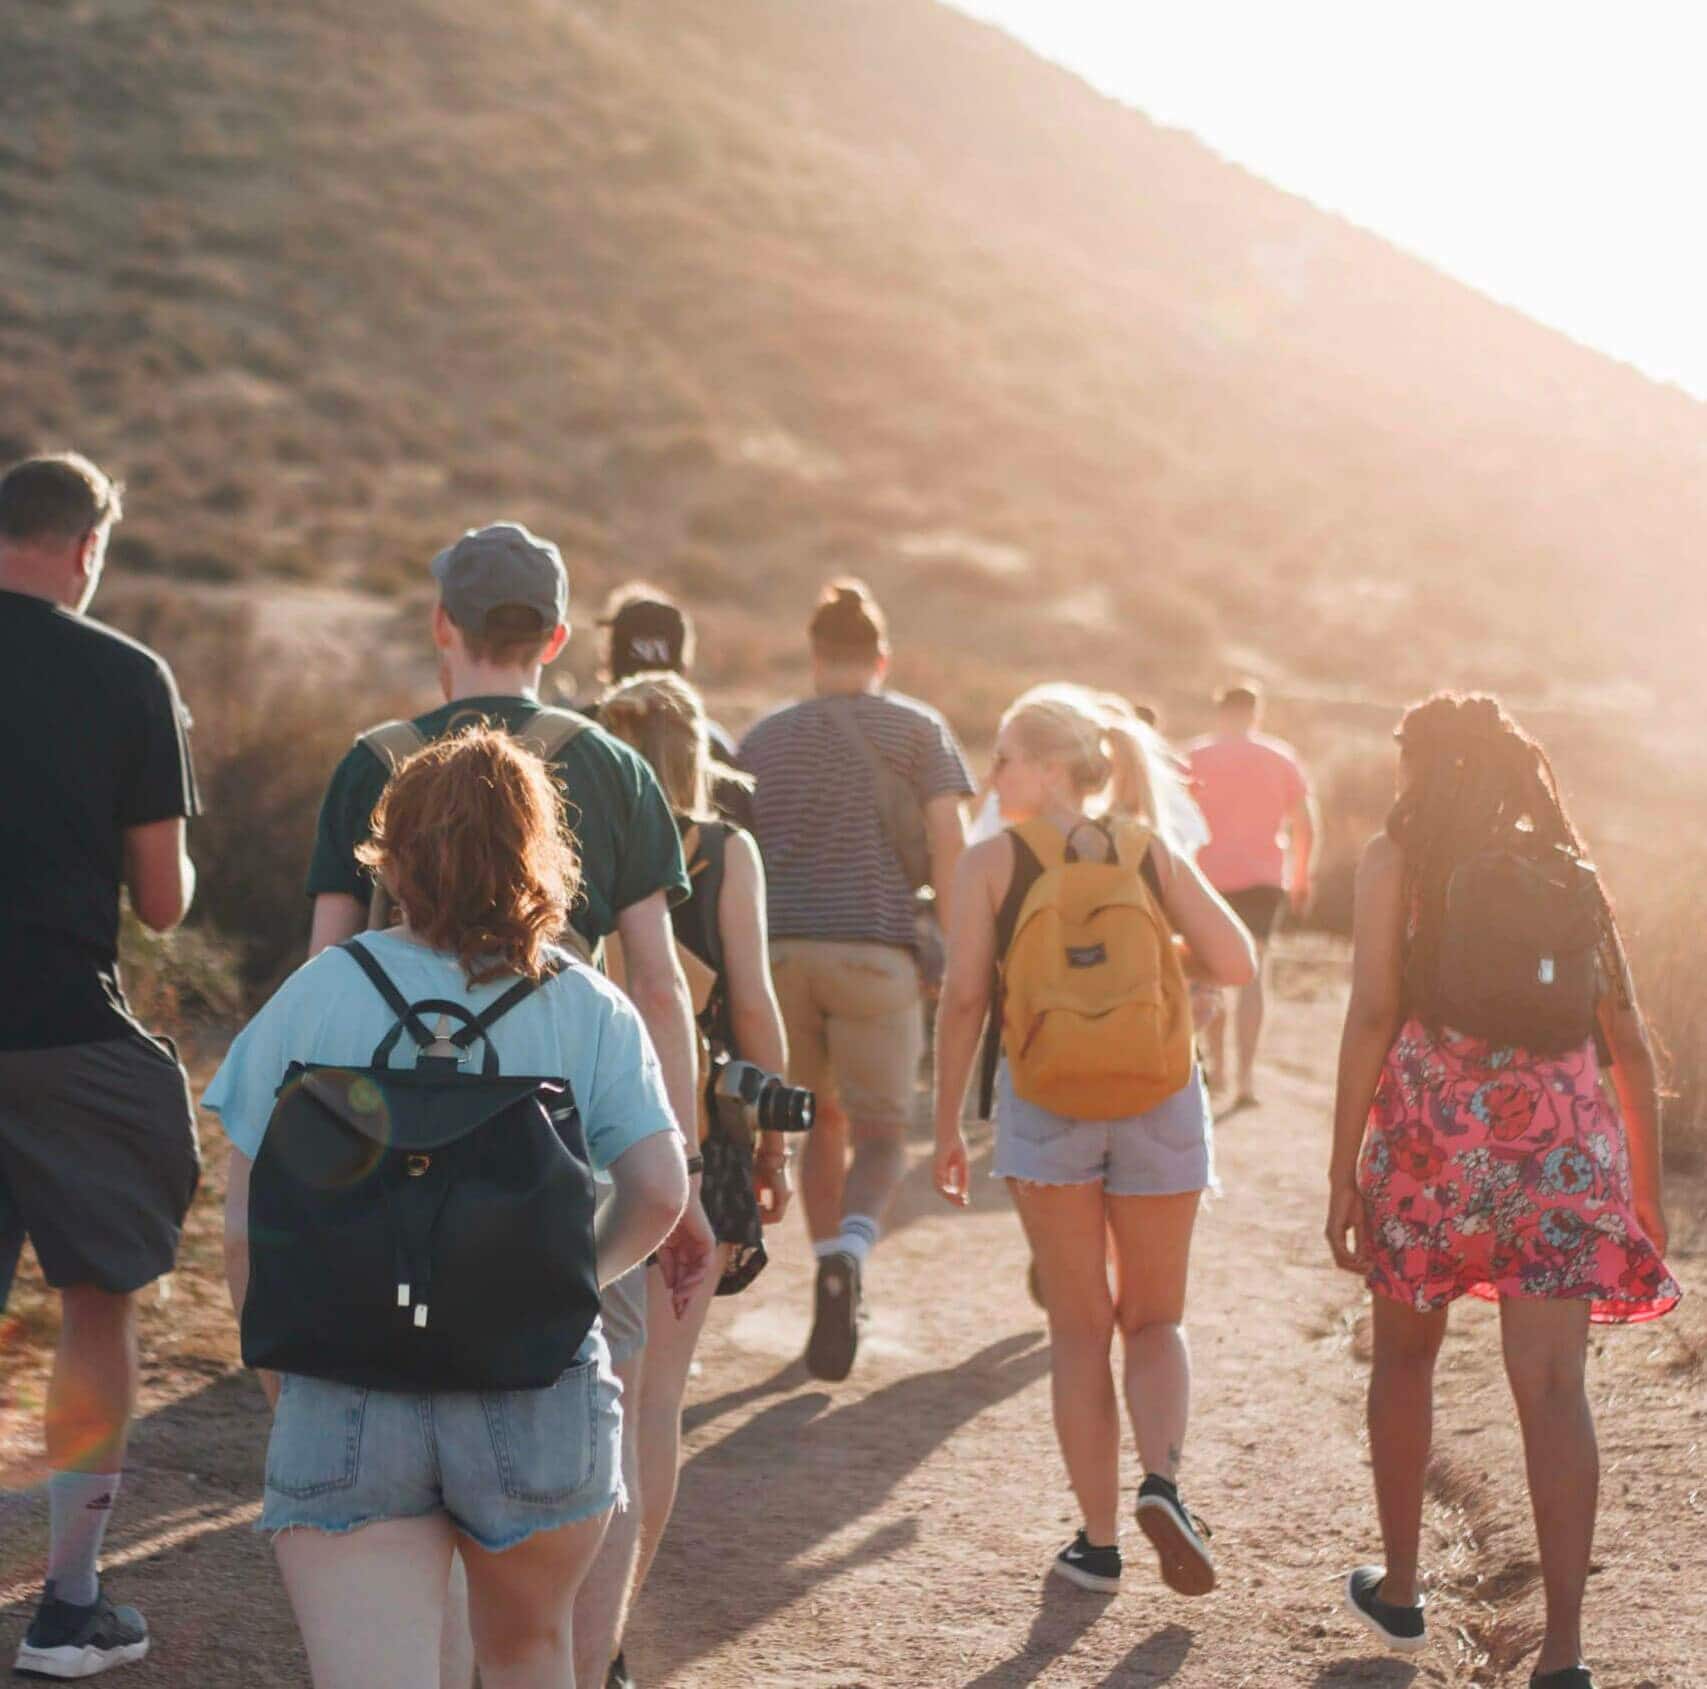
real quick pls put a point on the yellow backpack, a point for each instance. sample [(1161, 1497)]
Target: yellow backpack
[(1096, 1016)]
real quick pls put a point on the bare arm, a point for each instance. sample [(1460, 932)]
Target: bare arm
[(158, 873), (1635, 1077), (237, 1250), (1215, 938), (660, 993), (650, 1181), (1303, 825), (753, 1009), (946, 832), (337, 916), (755, 1016), (1371, 1020), (984, 870)]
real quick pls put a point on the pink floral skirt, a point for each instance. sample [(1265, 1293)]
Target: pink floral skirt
[(1502, 1173)]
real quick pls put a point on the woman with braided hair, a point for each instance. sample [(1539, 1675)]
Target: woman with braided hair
[(1464, 1160)]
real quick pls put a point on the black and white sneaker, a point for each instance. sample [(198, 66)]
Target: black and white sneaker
[(1179, 1537), (1088, 1567), (1566, 1677), (68, 1641), (834, 1342), (619, 1676), (1401, 1628)]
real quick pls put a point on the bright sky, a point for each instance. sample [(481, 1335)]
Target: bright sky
[(1548, 152)]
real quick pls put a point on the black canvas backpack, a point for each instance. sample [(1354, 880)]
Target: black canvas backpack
[(425, 1228), (1518, 960)]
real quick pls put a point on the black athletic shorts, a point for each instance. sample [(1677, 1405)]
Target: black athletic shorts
[(1259, 908), (99, 1157)]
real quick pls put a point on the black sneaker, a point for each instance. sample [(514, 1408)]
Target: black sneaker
[(68, 1641), (1401, 1628), (1088, 1567), (619, 1676), (1567, 1677), (1178, 1537), (834, 1342)]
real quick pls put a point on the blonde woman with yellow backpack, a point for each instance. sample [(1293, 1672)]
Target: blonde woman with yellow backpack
[(1080, 927)]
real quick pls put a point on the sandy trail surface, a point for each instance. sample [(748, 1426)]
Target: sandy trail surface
[(893, 1530)]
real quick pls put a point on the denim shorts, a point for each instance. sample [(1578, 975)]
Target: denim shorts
[(1166, 1152), (502, 1465)]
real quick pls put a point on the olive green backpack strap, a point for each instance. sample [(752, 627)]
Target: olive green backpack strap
[(550, 731), (391, 744)]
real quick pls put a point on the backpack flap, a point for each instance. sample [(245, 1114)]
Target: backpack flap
[(408, 1109)]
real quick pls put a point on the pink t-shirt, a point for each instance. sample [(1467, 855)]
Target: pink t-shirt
[(1246, 785)]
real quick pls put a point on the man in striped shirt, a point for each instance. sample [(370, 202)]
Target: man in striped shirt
[(832, 772)]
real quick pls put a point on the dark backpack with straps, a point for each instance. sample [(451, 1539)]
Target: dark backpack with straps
[(424, 1228), (1518, 961)]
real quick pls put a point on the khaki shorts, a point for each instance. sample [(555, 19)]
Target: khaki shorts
[(854, 1025)]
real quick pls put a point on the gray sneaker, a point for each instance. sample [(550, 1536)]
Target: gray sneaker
[(834, 1342), (67, 1641)]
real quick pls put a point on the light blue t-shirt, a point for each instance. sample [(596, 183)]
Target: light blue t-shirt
[(577, 1026)]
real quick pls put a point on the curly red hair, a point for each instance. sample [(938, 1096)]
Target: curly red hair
[(469, 837)]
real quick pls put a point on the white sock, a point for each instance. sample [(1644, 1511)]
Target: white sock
[(859, 1236), (826, 1246), (79, 1503)]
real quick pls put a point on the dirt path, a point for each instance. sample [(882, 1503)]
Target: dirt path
[(891, 1531)]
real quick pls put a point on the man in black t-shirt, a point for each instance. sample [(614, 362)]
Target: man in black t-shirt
[(98, 1154)]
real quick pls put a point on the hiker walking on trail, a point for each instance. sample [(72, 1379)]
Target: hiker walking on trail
[(98, 1152), (500, 620), (1262, 832), (1089, 923), (422, 1108), (857, 807), (1475, 1148), (748, 1179)]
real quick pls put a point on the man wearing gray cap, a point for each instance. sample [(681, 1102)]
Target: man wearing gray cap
[(501, 618)]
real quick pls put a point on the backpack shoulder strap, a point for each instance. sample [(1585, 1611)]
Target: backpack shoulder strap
[(496, 1010), (382, 983), (1028, 870), (392, 743), (707, 860), (549, 731), (1045, 843), (1132, 841)]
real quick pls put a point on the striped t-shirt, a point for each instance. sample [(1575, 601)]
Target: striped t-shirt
[(831, 871)]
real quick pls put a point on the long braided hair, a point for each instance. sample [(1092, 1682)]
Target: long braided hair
[(1477, 781)]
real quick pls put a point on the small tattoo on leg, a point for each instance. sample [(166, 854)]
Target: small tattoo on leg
[(1173, 1459)]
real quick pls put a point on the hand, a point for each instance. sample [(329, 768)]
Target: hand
[(953, 1170), (1651, 1217), (773, 1185), (685, 1256), (1347, 1217)]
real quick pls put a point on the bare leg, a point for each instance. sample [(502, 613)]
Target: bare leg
[(1546, 1348), (601, 1610), (1152, 1242), (1251, 1005), (520, 1602), (1401, 1426), (824, 1171), (670, 1345), (1214, 1035), (456, 1640), (1066, 1228), (875, 1172), (93, 1390), (368, 1602)]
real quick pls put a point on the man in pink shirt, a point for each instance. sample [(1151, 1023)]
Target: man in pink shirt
[(1262, 831)]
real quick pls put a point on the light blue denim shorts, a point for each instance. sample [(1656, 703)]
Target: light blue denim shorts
[(502, 1465), (1166, 1152)]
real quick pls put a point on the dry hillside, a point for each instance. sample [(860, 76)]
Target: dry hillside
[(741, 291)]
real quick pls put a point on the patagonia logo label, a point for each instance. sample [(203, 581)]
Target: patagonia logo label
[(1086, 955), (1547, 972)]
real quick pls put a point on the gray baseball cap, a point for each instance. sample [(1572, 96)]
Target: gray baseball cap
[(501, 564)]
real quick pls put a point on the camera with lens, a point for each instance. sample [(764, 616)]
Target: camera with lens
[(745, 1100)]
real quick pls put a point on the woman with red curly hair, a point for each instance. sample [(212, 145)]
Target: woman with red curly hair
[(1475, 1147), (369, 1492)]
